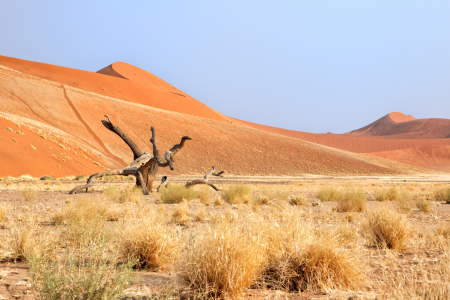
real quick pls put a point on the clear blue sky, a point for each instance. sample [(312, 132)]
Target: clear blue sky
[(313, 66)]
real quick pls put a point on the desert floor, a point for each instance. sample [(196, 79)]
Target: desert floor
[(35, 212)]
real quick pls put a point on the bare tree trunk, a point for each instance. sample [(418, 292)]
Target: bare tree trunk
[(206, 179), (144, 167)]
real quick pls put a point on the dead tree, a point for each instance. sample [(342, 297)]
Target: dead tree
[(165, 180), (144, 167)]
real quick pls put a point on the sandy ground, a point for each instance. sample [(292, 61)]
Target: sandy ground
[(386, 266)]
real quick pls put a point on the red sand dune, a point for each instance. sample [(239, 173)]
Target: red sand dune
[(132, 84), (399, 126), (69, 107)]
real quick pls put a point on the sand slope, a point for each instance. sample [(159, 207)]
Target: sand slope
[(134, 85), (388, 148), (72, 115), (399, 126)]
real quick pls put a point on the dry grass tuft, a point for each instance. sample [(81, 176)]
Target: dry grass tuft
[(151, 243), (329, 193), (353, 201), (131, 195), (239, 193), (442, 194), (223, 261), (201, 215), (387, 229), (21, 241), (29, 194), (3, 213), (298, 200), (86, 273), (112, 193), (175, 193), (182, 214), (84, 221), (204, 193), (423, 205), (391, 194)]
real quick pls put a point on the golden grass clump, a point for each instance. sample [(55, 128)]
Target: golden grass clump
[(387, 229), (204, 193), (20, 242), (303, 258), (175, 193), (29, 194), (239, 193), (329, 193), (387, 194), (131, 195), (423, 205), (442, 194), (151, 243), (222, 261), (3, 213), (182, 214), (353, 201), (298, 200)]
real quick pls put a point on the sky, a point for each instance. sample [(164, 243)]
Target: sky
[(315, 66)]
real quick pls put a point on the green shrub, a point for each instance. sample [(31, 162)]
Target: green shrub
[(175, 193), (47, 177), (239, 193), (329, 193), (80, 178)]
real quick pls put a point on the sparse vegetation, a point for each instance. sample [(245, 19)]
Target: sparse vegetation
[(239, 193), (182, 213), (131, 195), (204, 193), (3, 213), (150, 243), (85, 273), (29, 194), (442, 194), (80, 178), (423, 205), (384, 194), (47, 177), (175, 193), (298, 200), (352, 201), (222, 261), (329, 193), (387, 229)]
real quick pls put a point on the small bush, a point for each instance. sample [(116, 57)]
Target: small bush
[(175, 193), (236, 194), (329, 193), (80, 178), (151, 244), (29, 194), (21, 241), (404, 204), (84, 274), (223, 261), (298, 200), (387, 229), (204, 193), (352, 201), (391, 194), (131, 195), (47, 177)]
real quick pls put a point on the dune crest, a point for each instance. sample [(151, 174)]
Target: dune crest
[(398, 117)]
